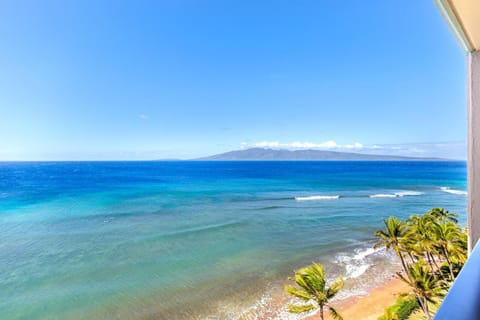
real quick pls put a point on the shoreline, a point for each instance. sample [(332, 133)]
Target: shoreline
[(371, 286), (370, 306)]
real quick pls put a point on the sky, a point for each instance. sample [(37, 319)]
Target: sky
[(135, 80)]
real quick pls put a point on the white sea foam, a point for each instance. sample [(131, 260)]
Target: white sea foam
[(453, 191), (355, 271), (269, 308), (365, 253), (396, 194), (311, 198), (382, 195), (360, 254), (357, 264), (408, 193)]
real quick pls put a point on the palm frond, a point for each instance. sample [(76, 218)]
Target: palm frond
[(334, 313), (335, 287), (300, 309), (312, 289), (297, 293)]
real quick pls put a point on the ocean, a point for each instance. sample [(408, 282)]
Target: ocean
[(199, 240)]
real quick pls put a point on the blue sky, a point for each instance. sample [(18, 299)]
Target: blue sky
[(172, 78)]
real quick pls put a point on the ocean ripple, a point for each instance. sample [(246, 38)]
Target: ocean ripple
[(313, 198)]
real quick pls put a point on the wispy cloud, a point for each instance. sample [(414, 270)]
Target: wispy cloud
[(142, 116), (330, 144), (451, 150)]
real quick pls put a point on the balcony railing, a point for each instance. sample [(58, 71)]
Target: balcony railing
[(463, 300)]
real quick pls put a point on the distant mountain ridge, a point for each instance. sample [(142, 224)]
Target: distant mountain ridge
[(258, 154)]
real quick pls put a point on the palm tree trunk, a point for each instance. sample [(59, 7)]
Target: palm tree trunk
[(422, 304), (450, 267), (411, 257), (321, 312), (429, 260), (402, 260), (427, 311), (434, 261)]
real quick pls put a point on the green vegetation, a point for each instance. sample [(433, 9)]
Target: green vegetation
[(402, 309), (313, 291), (432, 249)]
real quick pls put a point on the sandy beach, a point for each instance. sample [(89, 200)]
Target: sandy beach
[(371, 306)]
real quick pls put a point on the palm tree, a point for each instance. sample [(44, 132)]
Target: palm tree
[(447, 235), (411, 242), (313, 290), (460, 247), (420, 239), (432, 237), (443, 215), (426, 287), (391, 237)]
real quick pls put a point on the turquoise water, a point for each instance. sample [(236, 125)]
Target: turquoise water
[(186, 240)]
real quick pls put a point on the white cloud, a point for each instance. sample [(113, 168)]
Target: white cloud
[(451, 150), (309, 145), (356, 145), (330, 144), (268, 144), (448, 150), (143, 116)]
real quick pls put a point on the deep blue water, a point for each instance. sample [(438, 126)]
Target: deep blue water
[(168, 240)]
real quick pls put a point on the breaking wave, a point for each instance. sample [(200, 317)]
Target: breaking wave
[(382, 195), (396, 194), (453, 191)]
